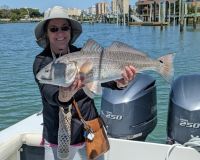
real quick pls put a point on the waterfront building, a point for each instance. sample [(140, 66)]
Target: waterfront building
[(114, 8), (92, 10), (102, 8), (165, 10), (124, 6), (89, 14), (155, 10), (73, 12), (120, 8)]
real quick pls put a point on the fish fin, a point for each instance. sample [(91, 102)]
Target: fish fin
[(123, 47), (166, 68), (88, 92), (94, 88), (86, 67), (92, 46), (86, 72)]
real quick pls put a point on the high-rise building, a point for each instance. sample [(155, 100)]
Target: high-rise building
[(120, 6), (114, 8), (102, 8)]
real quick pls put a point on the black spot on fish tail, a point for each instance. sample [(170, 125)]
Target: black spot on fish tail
[(161, 61)]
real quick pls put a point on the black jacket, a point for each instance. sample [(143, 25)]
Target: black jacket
[(49, 95)]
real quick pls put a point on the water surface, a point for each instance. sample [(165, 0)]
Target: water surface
[(19, 95)]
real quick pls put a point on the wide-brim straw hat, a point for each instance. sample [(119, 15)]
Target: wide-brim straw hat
[(52, 13)]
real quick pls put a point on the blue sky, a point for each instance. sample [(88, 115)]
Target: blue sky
[(44, 4)]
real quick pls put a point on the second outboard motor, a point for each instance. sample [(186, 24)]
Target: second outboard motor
[(184, 109), (130, 113)]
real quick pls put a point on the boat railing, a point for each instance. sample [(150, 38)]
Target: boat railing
[(10, 149)]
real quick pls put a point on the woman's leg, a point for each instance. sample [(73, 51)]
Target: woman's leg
[(51, 152), (81, 153)]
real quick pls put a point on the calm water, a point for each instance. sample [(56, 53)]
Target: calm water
[(19, 95)]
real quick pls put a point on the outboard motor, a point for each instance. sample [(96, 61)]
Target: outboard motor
[(184, 109), (130, 113)]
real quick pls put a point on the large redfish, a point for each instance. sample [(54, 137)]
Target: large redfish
[(98, 65)]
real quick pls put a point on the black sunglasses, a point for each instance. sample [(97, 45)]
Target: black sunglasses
[(56, 29)]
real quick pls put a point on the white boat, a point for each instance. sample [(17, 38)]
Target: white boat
[(29, 132), (22, 140)]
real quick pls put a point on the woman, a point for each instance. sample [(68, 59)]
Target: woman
[(55, 34)]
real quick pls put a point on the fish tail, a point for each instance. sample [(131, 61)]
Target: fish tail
[(166, 68)]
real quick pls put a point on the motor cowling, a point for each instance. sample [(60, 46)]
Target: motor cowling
[(184, 109), (130, 113)]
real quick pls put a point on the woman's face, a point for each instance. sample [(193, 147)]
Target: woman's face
[(58, 32)]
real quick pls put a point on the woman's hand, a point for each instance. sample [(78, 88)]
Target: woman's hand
[(66, 93), (128, 74)]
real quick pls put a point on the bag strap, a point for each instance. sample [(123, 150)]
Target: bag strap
[(86, 126), (75, 105)]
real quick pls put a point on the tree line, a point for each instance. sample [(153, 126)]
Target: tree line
[(17, 14)]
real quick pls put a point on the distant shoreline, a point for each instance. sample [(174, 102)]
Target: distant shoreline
[(5, 21), (16, 22)]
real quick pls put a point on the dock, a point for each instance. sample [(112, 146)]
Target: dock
[(148, 23)]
